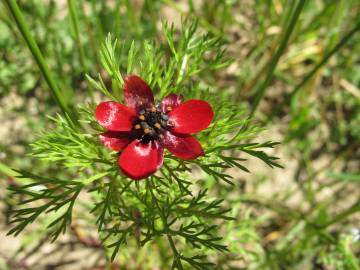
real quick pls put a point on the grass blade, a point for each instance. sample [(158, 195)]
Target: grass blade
[(31, 43), (283, 44), (296, 89), (74, 20), (341, 43)]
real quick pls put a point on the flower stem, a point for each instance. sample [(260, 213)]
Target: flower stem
[(31, 43), (275, 59), (177, 259), (176, 253)]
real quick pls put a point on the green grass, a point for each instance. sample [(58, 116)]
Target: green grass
[(294, 67)]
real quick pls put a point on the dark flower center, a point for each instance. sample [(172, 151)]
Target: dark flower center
[(151, 123)]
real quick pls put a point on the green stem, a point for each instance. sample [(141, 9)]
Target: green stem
[(23, 28), (74, 19), (283, 44), (355, 208), (177, 258), (340, 44), (4, 169), (351, 260), (203, 22)]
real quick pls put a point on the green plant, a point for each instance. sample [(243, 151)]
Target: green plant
[(166, 204)]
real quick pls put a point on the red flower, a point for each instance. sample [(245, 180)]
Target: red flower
[(142, 128)]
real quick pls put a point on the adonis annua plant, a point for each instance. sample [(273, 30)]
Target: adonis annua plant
[(137, 163)]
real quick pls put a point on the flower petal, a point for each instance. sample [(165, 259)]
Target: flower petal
[(139, 160), (115, 140), (114, 116), (137, 93), (171, 101), (191, 117), (182, 146)]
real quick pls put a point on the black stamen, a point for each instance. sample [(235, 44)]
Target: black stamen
[(153, 123)]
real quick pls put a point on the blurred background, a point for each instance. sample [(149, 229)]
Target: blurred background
[(305, 216)]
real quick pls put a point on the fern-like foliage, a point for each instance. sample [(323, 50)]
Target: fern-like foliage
[(171, 204)]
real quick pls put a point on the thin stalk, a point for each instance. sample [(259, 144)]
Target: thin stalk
[(5, 170), (203, 22), (74, 19), (93, 41), (31, 43), (283, 44), (308, 76), (355, 208), (117, 20), (99, 31), (350, 257), (341, 43), (176, 254)]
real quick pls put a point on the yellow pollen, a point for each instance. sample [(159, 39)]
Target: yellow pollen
[(157, 125), (142, 117), (169, 109), (146, 130), (137, 126), (153, 109)]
